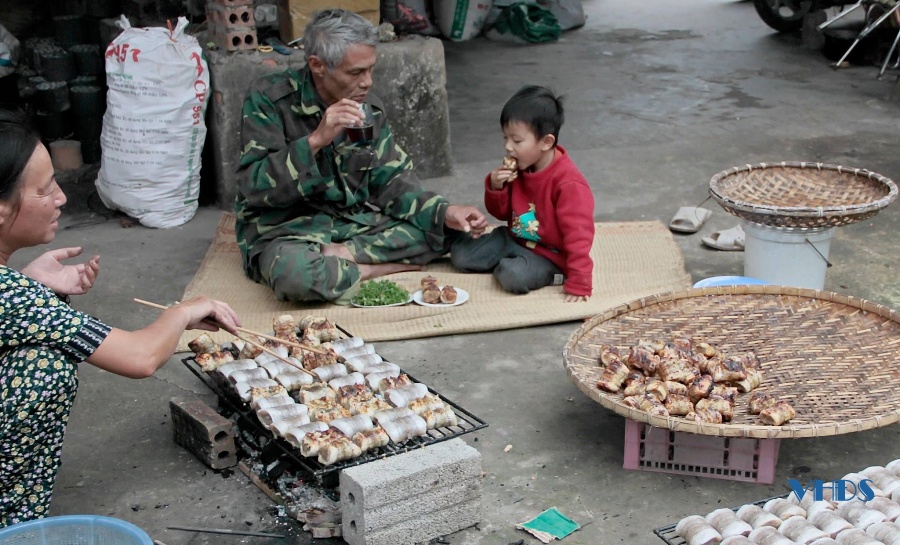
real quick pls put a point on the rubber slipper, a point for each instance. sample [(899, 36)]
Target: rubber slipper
[(689, 219), (729, 240)]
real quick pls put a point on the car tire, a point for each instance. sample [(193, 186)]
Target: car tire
[(789, 18)]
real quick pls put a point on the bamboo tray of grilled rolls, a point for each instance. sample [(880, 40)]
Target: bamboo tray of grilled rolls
[(834, 360)]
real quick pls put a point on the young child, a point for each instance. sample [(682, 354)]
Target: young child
[(545, 200)]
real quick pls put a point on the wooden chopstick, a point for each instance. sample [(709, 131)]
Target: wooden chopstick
[(247, 331), (248, 341)]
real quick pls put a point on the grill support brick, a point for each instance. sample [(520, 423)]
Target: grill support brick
[(412, 497), (204, 432)]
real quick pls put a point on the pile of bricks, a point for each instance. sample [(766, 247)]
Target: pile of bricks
[(204, 432), (232, 26)]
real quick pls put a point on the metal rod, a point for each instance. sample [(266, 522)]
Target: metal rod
[(224, 531), (840, 15)]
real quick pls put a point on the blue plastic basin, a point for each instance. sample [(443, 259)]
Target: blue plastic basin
[(74, 530)]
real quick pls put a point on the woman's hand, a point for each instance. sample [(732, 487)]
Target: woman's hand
[(64, 279), (209, 314)]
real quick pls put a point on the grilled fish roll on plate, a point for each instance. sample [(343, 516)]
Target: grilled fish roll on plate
[(338, 450)]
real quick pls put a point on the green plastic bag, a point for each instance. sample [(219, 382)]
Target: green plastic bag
[(529, 22)]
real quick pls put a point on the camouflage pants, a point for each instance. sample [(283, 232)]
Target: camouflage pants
[(296, 270)]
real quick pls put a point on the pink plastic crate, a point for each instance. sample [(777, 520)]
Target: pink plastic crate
[(736, 459)]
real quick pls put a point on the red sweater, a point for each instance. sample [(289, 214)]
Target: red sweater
[(551, 212)]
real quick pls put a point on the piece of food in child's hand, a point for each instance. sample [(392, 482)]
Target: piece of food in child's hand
[(448, 295), (510, 163)]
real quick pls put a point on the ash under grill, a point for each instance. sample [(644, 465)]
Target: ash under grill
[(275, 447)]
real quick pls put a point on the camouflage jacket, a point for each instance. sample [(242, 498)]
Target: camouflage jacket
[(285, 191)]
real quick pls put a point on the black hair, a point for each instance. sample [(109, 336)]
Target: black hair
[(18, 140), (536, 107)]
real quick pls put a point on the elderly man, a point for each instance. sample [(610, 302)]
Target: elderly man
[(318, 213)]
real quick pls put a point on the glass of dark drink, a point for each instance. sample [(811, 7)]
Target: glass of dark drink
[(364, 132)]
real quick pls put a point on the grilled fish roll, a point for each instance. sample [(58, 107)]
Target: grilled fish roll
[(766, 535), (203, 344), (784, 509), (247, 374), (884, 532), (282, 426), (392, 414), (276, 367), (707, 416), (329, 415), (387, 384), (651, 405), (328, 372), (756, 516), (382, 367), (700, 388), (753, 380), (347, 380), (274, 401), (428, 402), (237, 365), (431, 294), (722, 390), (706, 350), (829, 522), (352, 425), (695, 530), (405, 427), (613, 376), (656, 388), (801, 530), (427, 280), (678, 405), (725, 407), (210, 361), (369, 406), (363, 350), (316, 391), (371, 439), (677, 371), (777, 414), (338, 450), (883, 479), (400, 397), (609, 354), (374, 379), (295, 434), (260, 392), (243, 388), (440, 418), (342, 345), (676, 388), (889, 507), (448, 295), (294, 380), (358, 363), (759, 401), (643, 359), (281, 412), (731, 369), (635, 386), (727, 523), (312, 442)]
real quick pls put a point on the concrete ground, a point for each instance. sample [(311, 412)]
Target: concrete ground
[(661, 96)]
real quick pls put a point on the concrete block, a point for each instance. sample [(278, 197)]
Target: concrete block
[(412, 497), (230, 16), (410, 78), (204, 432)]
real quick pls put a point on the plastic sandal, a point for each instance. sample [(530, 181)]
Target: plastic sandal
[(689, 219), (729, 240)]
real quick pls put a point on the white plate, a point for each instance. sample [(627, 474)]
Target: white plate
[(461, 297), (383, 306)]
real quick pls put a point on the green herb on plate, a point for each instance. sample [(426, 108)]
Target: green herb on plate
[(378, 293)]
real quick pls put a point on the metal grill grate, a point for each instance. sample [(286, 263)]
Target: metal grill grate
[(670, 536), (248, 423)]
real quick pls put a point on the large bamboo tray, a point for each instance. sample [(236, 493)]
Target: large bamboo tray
[(802, 195), (835, 358)]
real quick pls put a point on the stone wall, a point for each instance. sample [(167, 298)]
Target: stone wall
[(410, 78)]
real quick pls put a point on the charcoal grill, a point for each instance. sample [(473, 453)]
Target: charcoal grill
[(266, 441), (670, 536)]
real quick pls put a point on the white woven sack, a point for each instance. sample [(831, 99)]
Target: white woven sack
[(154, 128), (461, 19)]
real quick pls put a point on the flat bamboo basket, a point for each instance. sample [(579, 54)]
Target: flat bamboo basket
[(835, 358), (802, 195)]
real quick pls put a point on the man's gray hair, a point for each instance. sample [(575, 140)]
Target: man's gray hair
[(332, 31)]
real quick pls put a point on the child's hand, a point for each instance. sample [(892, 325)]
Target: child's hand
[(576, 298), (500, 177)]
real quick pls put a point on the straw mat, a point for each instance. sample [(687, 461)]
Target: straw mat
[(631, 260), (834, 358)]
